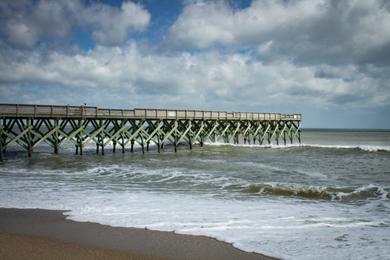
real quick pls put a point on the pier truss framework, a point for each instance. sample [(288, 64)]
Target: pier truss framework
[(31, 125)]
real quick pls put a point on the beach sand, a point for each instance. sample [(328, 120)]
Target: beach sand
[(47, 234)]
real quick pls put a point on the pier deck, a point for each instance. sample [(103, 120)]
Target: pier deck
[(30, 125)]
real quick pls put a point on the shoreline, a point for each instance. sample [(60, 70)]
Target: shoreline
[(42, 228)]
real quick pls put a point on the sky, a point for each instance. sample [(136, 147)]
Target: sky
[(326, 59)]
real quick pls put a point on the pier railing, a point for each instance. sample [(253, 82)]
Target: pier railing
[(54, 111)]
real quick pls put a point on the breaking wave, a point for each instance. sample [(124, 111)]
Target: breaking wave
[(343, 194)]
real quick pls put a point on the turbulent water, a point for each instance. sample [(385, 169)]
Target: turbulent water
[(325, 199)]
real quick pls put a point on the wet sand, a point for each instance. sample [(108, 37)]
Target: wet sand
[(46, 234)]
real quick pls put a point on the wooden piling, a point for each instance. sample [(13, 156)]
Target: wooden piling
[(29, 139), (123, 143), (55, 136), (1, 143)]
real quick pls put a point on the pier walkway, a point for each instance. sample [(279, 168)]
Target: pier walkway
[(30, 125)]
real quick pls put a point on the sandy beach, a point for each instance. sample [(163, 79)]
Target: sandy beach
[(47, 234)]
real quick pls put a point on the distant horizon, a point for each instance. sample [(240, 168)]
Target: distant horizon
[(347, 129)]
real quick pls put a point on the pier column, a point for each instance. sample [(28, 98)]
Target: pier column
[(142, 145), (79, 138), (80, 144), (269, 137), (299, 135), (175, 138), (175, 143), (113, 146), (161, 142), (1, 143), (4, 137), (55, 136), (158, 144), (102, 144), (123, 144), (29, 138), (100, 137), (132, 145)]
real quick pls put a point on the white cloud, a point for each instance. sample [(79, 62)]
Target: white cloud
[(20, 34), (307, 31), (25, 23), (210, 79), (112, 25), (217, 23)]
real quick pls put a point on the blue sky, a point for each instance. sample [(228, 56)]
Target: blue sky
[(329, 60)]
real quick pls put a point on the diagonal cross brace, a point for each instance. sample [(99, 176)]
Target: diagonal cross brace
[(199, 131), (169, 133), (212, 130), (266, 131), (123, 128), (19, 135), (185, 132), (44, 137), (152, 134)]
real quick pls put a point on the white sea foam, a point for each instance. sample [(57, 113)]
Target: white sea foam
[(264, 225), (251, 225)]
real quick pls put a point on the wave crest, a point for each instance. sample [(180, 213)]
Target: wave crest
[(344, 194)]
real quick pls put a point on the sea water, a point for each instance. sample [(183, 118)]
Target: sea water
[(327, 198)]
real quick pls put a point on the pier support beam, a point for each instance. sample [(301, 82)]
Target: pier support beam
[(1, 143), (102, 144), (123, 144), (29, 140)]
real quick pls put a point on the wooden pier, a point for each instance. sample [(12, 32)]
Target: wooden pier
[(30, 125)]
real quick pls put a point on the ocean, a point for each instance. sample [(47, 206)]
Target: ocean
[(327, 198)]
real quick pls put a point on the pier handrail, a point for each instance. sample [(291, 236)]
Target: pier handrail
[(58, 111)]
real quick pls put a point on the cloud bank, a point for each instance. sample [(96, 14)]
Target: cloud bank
[(193, 78)]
